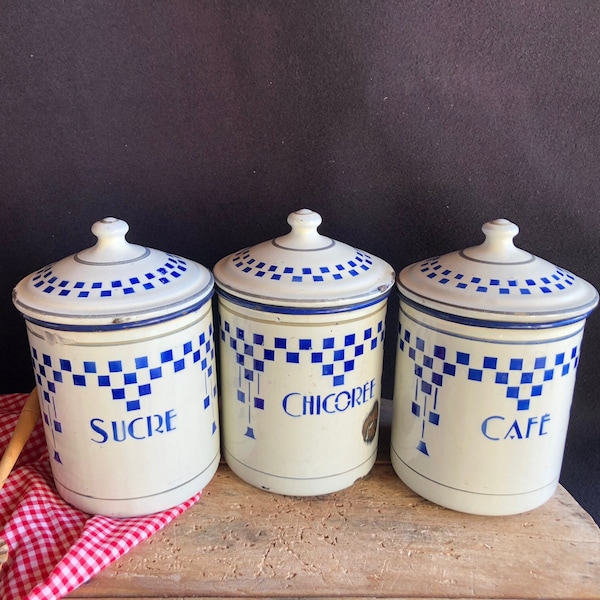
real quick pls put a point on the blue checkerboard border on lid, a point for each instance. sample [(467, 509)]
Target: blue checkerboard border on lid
[(554, 282), (246, 263), (49, 283)]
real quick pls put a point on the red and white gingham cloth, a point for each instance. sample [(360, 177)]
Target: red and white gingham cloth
[(53, 547)]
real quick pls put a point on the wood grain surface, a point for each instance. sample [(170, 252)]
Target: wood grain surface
[(375, 539)]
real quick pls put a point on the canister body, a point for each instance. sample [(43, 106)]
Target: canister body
[(480, 413), (130, 414), (300, 395)]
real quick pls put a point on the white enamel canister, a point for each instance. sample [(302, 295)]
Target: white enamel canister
[(488, 347), (121, 340), (302, 321)]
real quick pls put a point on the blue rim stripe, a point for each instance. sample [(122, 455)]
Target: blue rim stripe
[(291, 310), (491, 324), (125, 325)]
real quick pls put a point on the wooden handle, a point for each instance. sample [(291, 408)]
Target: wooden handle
[(27, 420)]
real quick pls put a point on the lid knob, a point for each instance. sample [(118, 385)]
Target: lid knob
[(111, 247), (498, 246), (304, 234), (110, 227), (500, 233)]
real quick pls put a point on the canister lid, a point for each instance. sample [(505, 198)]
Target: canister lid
[(112, 285), (304, 270), (498, 282)]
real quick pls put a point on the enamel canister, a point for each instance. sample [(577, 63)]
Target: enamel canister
[(488, 346), (302, 321), (121, 340)]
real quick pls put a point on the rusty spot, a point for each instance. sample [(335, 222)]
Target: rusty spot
[(369, 428)]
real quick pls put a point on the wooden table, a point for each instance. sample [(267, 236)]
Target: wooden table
[(375, 539)]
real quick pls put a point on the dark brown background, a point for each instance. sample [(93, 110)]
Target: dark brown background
[(406, 124)]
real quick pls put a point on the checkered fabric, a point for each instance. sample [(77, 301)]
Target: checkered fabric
[(53, 547)]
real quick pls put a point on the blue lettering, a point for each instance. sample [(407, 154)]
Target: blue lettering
[(545, 419), (169, 417), (130, 429), (115, 431), (517, 432), (309, 405), (530, 422), (159, 424), (325, 400), (532, 426), (286, 409), (340, 407), (138, 428), (95, 425), (484, 427), (357, 395), (295, 404)]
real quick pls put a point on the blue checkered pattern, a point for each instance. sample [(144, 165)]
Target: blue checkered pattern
[(554, 282), (520, 378), (325, 273), (129, 380), (49, 283), (335, 357)]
